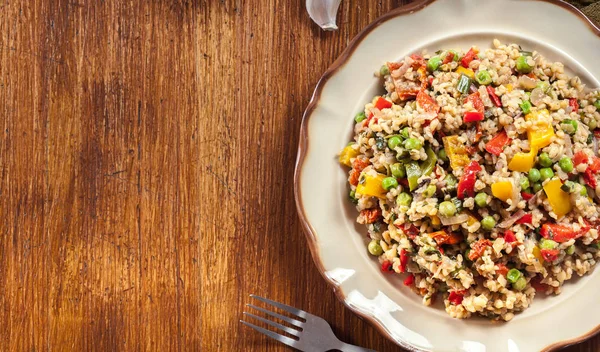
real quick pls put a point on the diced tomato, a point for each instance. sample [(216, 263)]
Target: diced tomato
[(411, 231), (589, 178), (561, 233), (382, 103), (418, 61), (387, 266), (360, 165), (456, 297), (393, 66), (449, 57), (509, 236), (353, 179), (525, 219), (442, 237), (526, 196), (579, 158), (537, 284), (492, 93), (550, 255), (410, 280), (403, 260), (427, 103), (430, 80), (476, 101), (595, 165), (496, 145), (403, 182), (574, 104), (502, 269), (469, 56), (478, 248), (372, 215), (466, 185), (472, 116), (597, 133)]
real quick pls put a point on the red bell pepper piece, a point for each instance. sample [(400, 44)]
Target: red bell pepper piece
[(595, 165), (466, 185), (579, 158), (382, 103), (502, 269), (410, 280), (456, 297), (574, 104), (589, 178), (411, 231), (472, 116), (561, 233), (526, 196), (496, 145), (492, 93), (536, 283), (476, 101), (525, 219), (550, 255), (426, 102), (372, 215), (509, 236), (469, 56), (387, 267), (403, 260), (449, 57), (478, 248)]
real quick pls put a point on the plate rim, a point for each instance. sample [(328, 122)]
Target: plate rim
[(303, 143)]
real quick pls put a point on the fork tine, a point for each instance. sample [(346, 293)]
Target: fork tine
[(271, 334), (296, 311), (274, 324), (279, 316)]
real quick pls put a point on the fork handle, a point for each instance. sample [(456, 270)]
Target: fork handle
[(346, 347)]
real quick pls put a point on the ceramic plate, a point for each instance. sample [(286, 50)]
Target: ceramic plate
[(555, 29)]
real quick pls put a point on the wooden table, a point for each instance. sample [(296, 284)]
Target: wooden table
[(146, 160)]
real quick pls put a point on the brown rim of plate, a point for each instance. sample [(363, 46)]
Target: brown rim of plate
[(303, 147)]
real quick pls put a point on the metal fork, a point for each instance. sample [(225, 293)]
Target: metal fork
[(313, 333)]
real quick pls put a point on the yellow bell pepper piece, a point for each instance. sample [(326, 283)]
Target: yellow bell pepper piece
[(471, 220), (466, 71), (538, 254), (371, 185), (560, 201), (456, 151), (435, 220), (348, 153), (509, 87), (502, 190), (523, 162), (539, 135)]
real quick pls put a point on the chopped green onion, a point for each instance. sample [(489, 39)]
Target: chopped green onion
[(360, 116), (522, 66), (434, 63), (384, 70), (525, 106), (513, 275), (547, 244), (483, 77), (569, 126), (464, 82)]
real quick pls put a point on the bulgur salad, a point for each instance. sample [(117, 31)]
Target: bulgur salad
[(477, 176)]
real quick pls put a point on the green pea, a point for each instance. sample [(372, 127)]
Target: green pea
[(546, 173), (592, 124), (569, 126), (483, 77), (534, 175), (513, 275), (566, 164), (597, 104), (384, 70), (429, 191), (522, 65), (389, 183), (537, 187), (544, 160), (360, 116), (374, 248), (520, 284), (481, 199), (405, 133), (394, 142), (404, 199), (571, 249), (547, 244), (583, 191), (412, 143), (524, 182), (398, 170), (447, 209), (442, 155), (488, 223), (434, 63)]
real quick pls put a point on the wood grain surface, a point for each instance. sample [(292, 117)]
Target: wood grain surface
[(146, 159)]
